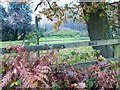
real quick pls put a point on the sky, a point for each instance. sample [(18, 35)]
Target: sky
[(35, 2)]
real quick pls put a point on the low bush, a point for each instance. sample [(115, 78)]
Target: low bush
[(24, 70)]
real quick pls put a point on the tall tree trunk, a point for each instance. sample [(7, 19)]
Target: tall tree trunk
[(98, 29), (119, 19), (117, 46)]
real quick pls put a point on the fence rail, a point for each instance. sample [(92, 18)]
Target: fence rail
[(67, 45), (115, 42), (87, 63)]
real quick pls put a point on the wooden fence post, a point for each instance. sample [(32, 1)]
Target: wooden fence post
[(27, 43), (37, 41), (117, 51)]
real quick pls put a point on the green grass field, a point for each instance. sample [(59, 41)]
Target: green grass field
[(47, 40), (53, 38)]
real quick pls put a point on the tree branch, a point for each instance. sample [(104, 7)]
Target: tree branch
[(115, 3), (38, 5), (49, 5)]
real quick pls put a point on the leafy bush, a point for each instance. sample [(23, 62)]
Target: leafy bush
[(66, 33), (76, 56), (24, 70), (24, 67)]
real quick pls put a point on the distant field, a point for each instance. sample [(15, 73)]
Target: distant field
[(53, 38), (47, 40)]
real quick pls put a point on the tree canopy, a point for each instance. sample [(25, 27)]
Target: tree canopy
[(16, 21), (76, 10)]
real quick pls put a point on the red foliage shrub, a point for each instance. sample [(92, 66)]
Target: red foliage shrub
[(40, 73)]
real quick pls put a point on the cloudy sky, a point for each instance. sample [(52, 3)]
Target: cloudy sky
[(35, 2)]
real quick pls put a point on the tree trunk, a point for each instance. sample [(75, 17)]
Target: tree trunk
[(118, 20), (117, 46), (98, 29)]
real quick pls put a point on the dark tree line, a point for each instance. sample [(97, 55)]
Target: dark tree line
[(16, 21)]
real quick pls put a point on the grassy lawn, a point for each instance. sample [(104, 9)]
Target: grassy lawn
[(47, 40), (53, 37)]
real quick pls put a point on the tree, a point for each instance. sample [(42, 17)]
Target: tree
[(20, 18), (117, 25), (98, 27), (4, 29), (94, 13), (17, 23)]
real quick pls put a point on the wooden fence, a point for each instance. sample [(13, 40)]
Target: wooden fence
[(115, 42)]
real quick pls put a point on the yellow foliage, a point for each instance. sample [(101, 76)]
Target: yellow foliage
[(56, 16), (59, 23), (101, 58), (70, 16)]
